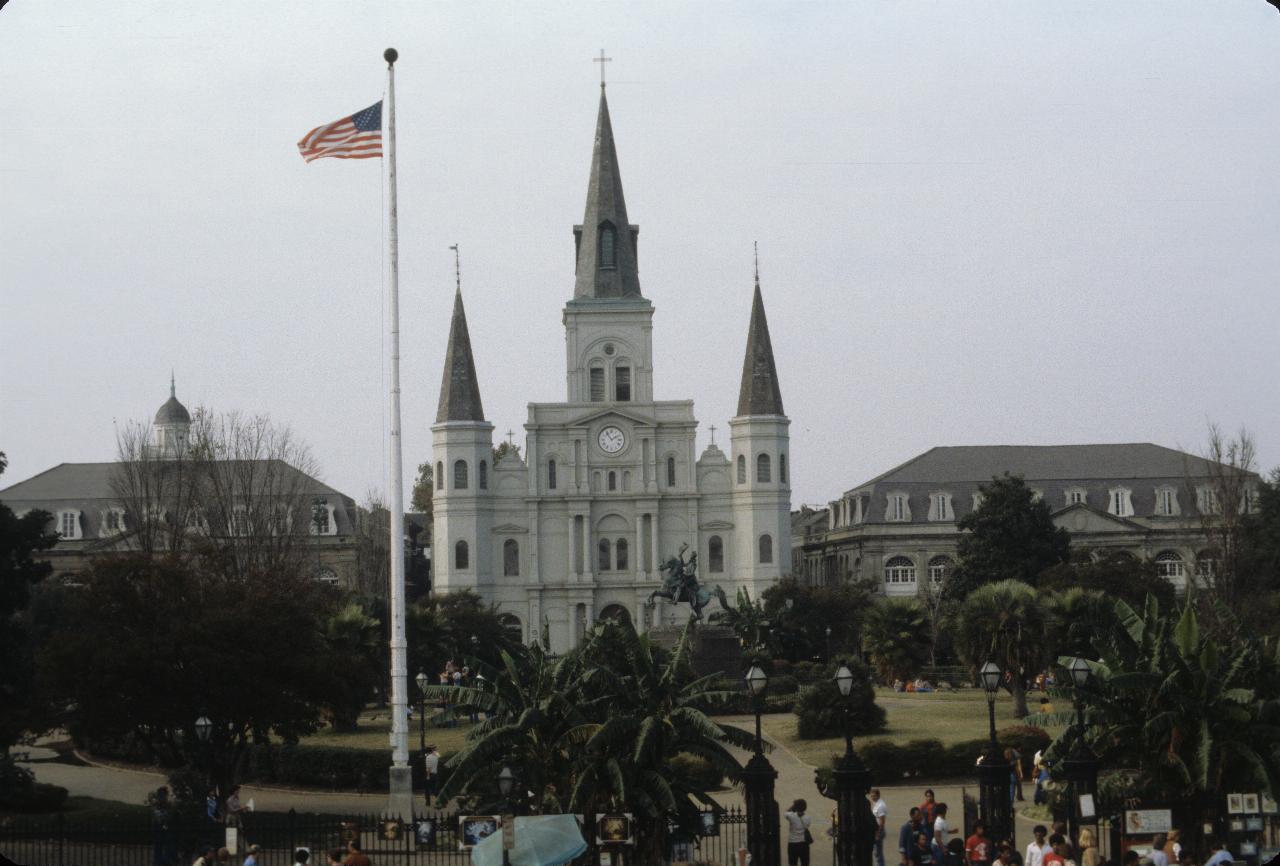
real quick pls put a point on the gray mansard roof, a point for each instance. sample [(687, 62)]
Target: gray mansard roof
[(1053, 470)]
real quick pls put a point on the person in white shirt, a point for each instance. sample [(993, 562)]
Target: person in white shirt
[(798, 838), (879, 811), (1038, 847), (431, 769), (941, 830)]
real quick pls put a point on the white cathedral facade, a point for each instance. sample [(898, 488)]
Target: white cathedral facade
[(610, 485)]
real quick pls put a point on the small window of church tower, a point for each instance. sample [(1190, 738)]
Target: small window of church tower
[(597, 384), (622, 384), (608, 246)]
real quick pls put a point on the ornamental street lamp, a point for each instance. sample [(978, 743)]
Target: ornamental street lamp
[(995, 773), (757, 781), (855, 836), (828, 643), (506, 784), (423, 681), (204, 731), (1082, 764)]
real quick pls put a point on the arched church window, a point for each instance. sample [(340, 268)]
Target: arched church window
[(460, 475), (766, 549), (484, 475), (715, 554), (622, 384), (461, 556), (439, 475), (764, 471), (551, 475), (671, 472), (603, 559), (608, 246), (620, 554), (613, 481), (742, 469), (782, 469), (597, 384), (511, 558)]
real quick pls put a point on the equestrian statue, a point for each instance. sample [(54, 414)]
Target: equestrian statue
[(680, 584)]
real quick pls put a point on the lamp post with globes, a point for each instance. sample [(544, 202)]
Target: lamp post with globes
[(1082, 765), (506, 785), (204, 731), (423, 681), (855, 836), (995, 803), (758, 778)]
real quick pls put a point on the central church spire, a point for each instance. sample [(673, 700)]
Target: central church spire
[(606, 241)]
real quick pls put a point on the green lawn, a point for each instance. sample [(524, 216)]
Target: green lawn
[(89, 811), (374, 727), (951, 717)]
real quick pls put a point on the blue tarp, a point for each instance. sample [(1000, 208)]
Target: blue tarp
[(541, 840)]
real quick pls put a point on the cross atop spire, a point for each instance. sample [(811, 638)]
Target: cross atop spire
[(606, 240), (602, 60)]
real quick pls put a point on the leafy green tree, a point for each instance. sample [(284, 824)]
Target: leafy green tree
[(1188, 717), (503, 449), (1075, 618), (356, 647), (1116, 574), (1010, 536), (454, 625), (1259, 558), (749, 622), (898, 637), (800, 615), (147, 645), (423, 488), (820, 708), (20, 539), (1003, 623)]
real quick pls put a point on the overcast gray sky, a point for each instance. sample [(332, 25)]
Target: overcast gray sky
[(1022, 222)]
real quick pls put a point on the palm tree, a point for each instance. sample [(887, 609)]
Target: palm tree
[(1075, 619), (655, 709), (1190, 719), (1005, 623), (898, 634), (747, 619)]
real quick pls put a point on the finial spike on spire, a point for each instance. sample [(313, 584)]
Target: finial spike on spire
[(457, 268), (755, 245), (173, 384)]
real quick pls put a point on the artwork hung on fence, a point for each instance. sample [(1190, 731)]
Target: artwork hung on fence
[(391, 829), (1251, 804), (710, 824), (474, 828), (425, 832), (615, 830), (1235, 804)]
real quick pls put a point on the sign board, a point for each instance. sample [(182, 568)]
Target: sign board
[(1235, 804), (233, 840), (1087, 811), (508, 832), (1147, 822)]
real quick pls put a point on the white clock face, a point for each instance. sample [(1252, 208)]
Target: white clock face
[(611, 440)]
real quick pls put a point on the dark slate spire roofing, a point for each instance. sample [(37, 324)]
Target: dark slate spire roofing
[(459, 387), (173, 412), (606, 209), (759, 394)]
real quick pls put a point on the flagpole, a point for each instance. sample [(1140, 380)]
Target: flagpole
[(400, 800)]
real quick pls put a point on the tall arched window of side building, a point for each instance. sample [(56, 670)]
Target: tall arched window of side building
[(715, 554), (510, 558), (620, 551), (899, 570), (551, 475), (742, 469), (764, 469), (1170, 566), (461, 556), (766, 549)]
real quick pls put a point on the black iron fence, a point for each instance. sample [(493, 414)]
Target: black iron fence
[(428, 838)]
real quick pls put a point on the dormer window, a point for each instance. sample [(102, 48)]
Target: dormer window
[(1167, 502), (608, 246), (69, 523), (940, 507), (1076, 496), (1120, 502), (112, 521), (899, 509), (1207, 501)]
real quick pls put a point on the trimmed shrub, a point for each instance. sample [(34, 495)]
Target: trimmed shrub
[(698, 770), (783, 684), (820, 707)]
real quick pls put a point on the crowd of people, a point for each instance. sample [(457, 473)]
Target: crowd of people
[(929, 838)]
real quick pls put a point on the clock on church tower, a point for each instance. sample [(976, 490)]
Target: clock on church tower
[(611, 440)]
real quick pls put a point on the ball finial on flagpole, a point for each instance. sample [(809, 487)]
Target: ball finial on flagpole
[(390, 55)]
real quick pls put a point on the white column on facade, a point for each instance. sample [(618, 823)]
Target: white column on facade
[(639, 550)]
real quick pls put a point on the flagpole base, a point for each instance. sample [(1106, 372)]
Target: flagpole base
[(400, 793)]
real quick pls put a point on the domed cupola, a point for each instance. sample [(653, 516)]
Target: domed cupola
[(172, 424)]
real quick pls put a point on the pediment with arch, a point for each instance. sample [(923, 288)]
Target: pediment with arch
[(1084, 518), (595, 415), (510, 529)]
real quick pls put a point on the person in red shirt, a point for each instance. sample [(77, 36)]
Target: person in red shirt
[(977, 848), (1057, 854), (929, 810)]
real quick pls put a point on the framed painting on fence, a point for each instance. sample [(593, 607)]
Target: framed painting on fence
[(1251, 806), (472, 829), (425, 832), (615, 829), (1235, 804), (391, 830), (710, 824)]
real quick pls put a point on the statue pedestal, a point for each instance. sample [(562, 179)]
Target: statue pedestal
[(714, 648)]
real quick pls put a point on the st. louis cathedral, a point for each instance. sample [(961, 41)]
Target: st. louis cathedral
[(610, 485)]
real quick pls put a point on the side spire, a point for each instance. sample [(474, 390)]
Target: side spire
[(606, 240), (759, 393), (459, 386)]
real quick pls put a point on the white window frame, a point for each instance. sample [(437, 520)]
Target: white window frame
[(1077, 496), (1120, 501), (1167, 501), (938, 568), (1207, 500), (898, 508), (940, 509), (108, 516), (899, 575), (1171, 566), (69, 518)]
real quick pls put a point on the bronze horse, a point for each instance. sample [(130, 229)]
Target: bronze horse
[(680, 584)]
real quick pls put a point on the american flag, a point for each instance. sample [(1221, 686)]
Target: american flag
[(356, 137)]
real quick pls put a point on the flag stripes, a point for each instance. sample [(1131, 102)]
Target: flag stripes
[(356, 137)]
